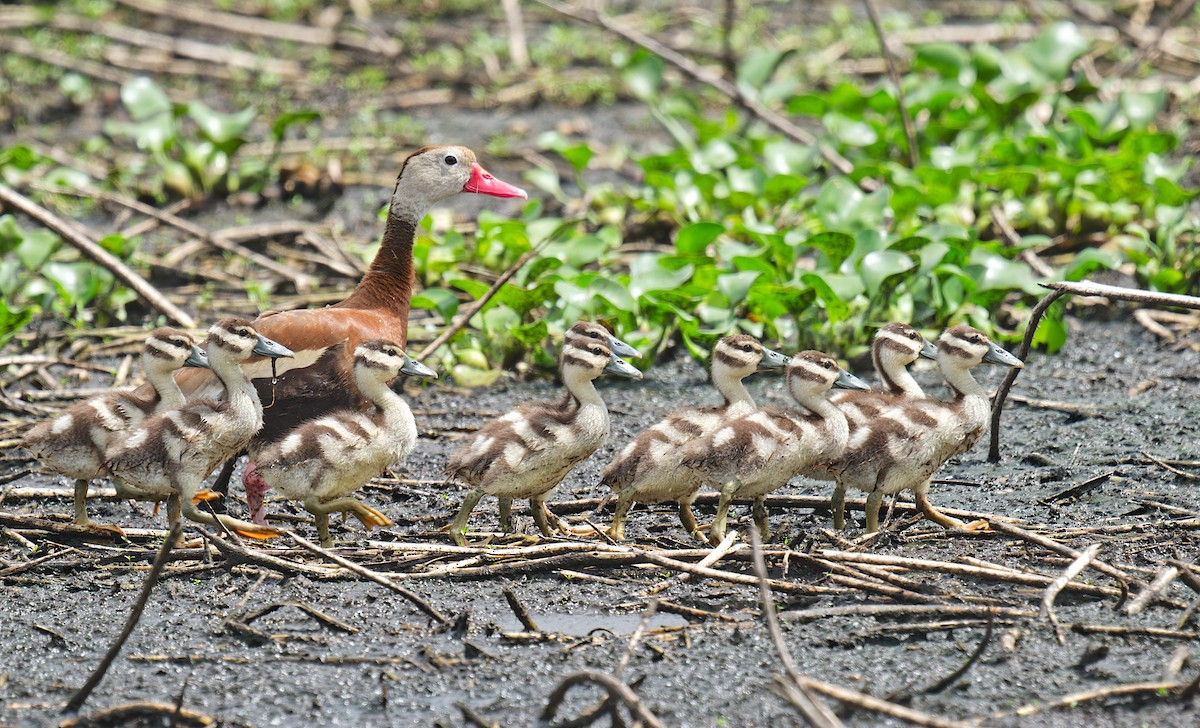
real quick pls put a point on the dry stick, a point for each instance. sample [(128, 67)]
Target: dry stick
[(80, 697), (814, 712), (688, 67), (617, 691), (1070, 701), (636, 637), (894, 73), (905, 610), (953, 677), (1170, 634), (244, 24), (98, 254), (518, 51), (1181, 473), (462, 319), (374, 576), (1152, 49), (717, 553), (520, 611), (137, 713), (1065, 550), (1082, 288), (1161, 583), (1010, 235), (1056, 587)]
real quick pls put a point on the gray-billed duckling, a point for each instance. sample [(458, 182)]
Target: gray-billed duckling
[(171, 453), (907, 443), (323, 461), (647, 469), (73, 443), (759, 452), (894, 348), (528, 451)]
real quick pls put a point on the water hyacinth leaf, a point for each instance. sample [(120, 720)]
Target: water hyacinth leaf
[(835, 308), (643, 75), (221, 129), (850, 132), (12, 320), (616, 294), (647, 273), (879, 265), (735, 285), (531, 334), (1001, 274), (288, 119), (1057, 47), (695, 238), (144, 98), (441, 300), (946, 59), (835, 246), (469, 376)]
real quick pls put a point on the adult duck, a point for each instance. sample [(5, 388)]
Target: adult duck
[(320, 378)]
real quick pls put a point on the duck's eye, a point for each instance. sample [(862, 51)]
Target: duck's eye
[(827, 364), (597, 351), (747, 347), (913, 335), (974, 339), (450, 160), (242, 332)]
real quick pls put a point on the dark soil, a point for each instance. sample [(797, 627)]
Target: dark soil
[(59, 617)]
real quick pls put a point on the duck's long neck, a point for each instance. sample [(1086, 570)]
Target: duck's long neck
[(397, 417), (582, 387), (833, 420), (729, 384), (167, 394), (388, 283), (241, 399), (960, 381), (894, 375)]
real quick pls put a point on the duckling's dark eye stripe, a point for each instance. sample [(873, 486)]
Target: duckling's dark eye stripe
[(728, 359), (953, 350)]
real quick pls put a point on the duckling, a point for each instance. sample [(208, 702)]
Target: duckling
[(759, 452), (895, 347), (73, 444), (171, 453), (646, 470), (528, 451), (908, 442), (323, 461)]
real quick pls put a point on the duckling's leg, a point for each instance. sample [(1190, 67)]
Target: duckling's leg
[(688, 519), (243, 528), (716, 531), (81, 515), (368, 516), (506, 515), (760, 517), (933, 514), (616, 531), (838, 504), (874, 499), (546, 521), (458, 527)]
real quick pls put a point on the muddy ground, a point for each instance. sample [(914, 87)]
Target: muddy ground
[(59, 617)]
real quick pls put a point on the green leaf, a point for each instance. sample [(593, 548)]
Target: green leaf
[(531, 334), (12, 320), (616, 294), (647, 273), (808, 105), (441, 300), (836, 246), (835, 308), (143, 98), (221, 129), (735, 285), (288, 119), (850, 132), (693, 239), (1056, 48), (1170, 193), (879, 265), (643, 75), (947, 59)]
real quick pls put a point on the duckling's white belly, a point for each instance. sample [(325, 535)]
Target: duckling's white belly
[(658, 476), (524, 474)]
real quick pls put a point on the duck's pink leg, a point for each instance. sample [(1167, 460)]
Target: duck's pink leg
[(256, 494)]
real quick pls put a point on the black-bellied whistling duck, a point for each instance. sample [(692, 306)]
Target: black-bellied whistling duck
[(907, 443), (528, 451), (646, 470), (759, 452), (320, 378), (169, 454), (74, 442), (325, 460)]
